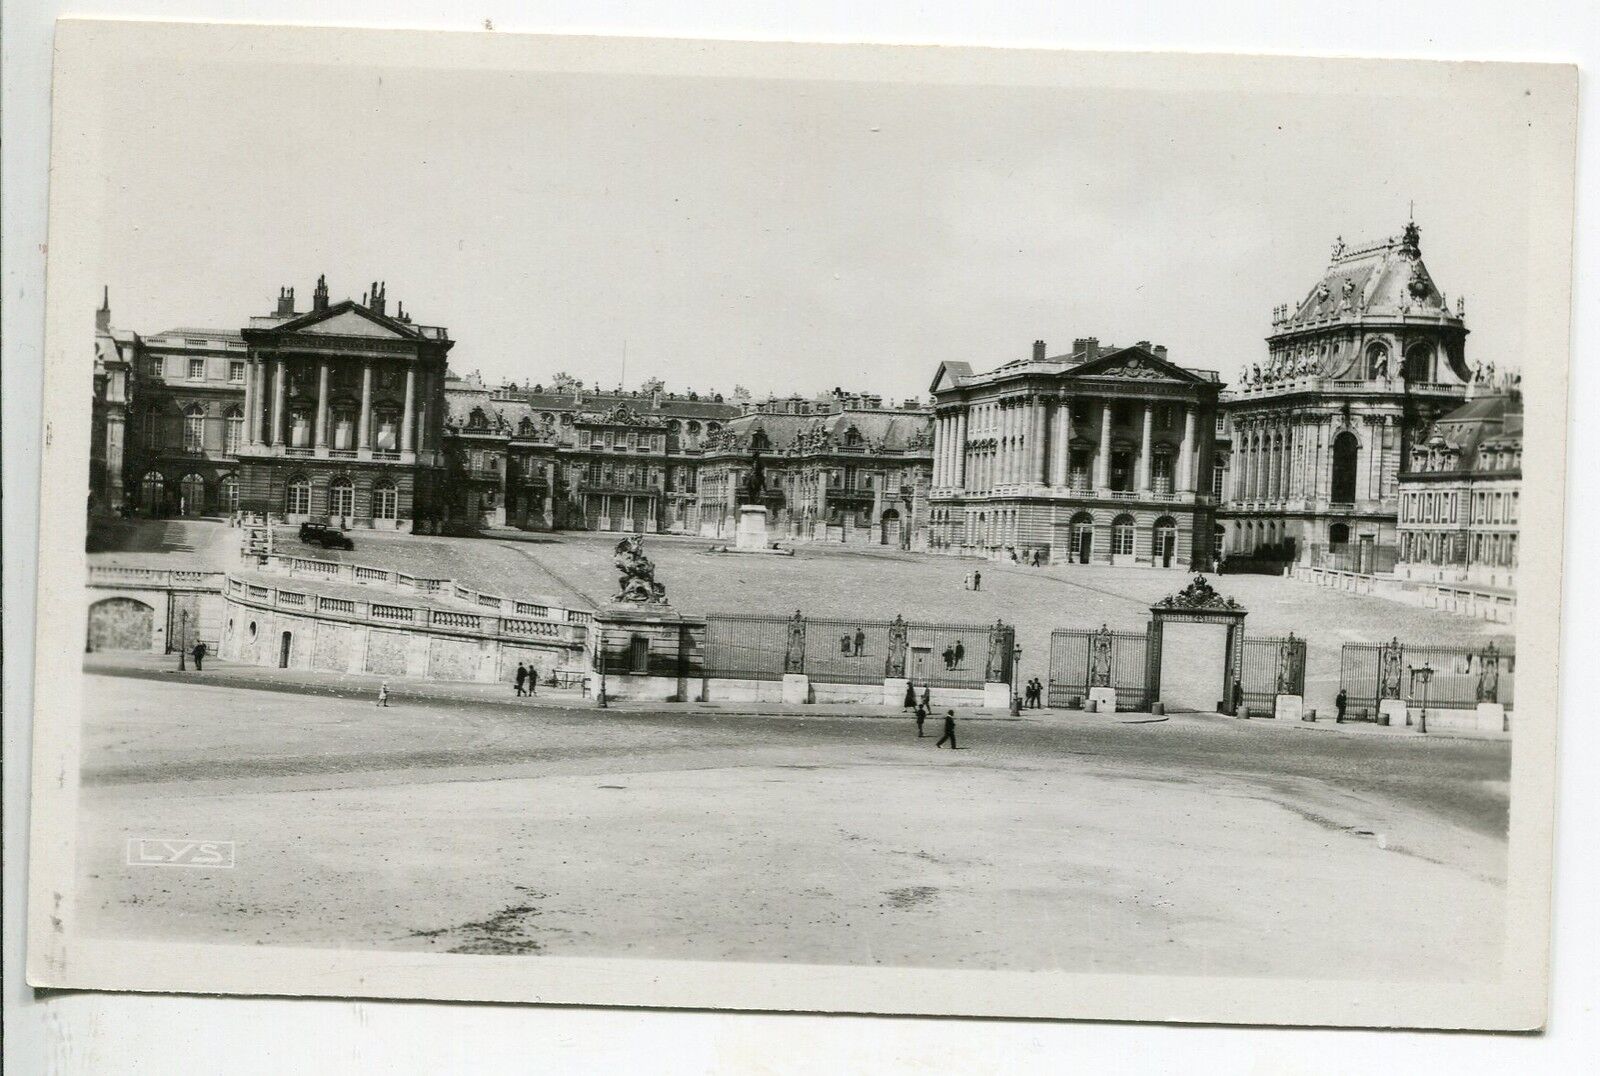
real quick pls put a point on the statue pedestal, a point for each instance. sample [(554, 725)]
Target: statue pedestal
[(1393, 712), (1103, 700), (1289, 708), (646, 651), (1491, 717), (796, 688), (752, 532), (894, 690)]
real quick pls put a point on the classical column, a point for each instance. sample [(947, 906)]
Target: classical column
[(364, 430), (959, 479), (941, 448), (249, 401), (408, 419), (1187, 481), (1041, 457), (278, 377), (319, 438), (1144, 447), (1102, 463), (1061, 446)]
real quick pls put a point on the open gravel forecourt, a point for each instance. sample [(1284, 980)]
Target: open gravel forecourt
[(1194, 845)]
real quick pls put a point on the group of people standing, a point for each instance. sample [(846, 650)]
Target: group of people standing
[(1033, 694), (527, 680)]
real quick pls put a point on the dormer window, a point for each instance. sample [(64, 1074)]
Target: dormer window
[(477, 420)]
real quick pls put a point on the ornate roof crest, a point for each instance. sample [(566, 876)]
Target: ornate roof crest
[(1199, 594)]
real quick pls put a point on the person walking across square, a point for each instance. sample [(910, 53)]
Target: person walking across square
[(949, 730), (922, 715), (977, 580), (927, 698), (861, 641), (383, 693), (199, 655), (522, 678)]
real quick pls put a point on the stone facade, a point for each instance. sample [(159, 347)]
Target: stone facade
[(1317, 434), (1094, 456)]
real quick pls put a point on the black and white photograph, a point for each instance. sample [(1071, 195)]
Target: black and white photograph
[(842, 528)]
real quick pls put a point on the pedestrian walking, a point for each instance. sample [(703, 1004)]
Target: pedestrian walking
[(383, 693), (861, 641), (922, 715), (844, 644), (911, 696), (949, 730), (1339, 702), (199, 655), (977, 580), (926, 697), (949, 658), (961, 652), (522, 678), (1238, 698)]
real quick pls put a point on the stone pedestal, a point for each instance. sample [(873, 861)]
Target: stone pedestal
[(1491, 717), (1289, 708), (1392, 712), (894, 690), (997, 696), (796, 688), (752, 532), (1102, 700)]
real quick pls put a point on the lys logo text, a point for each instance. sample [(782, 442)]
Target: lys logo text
[(165, 852)]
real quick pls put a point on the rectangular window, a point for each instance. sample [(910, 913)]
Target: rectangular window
[(1217, 473), (197, 369), (155, 367), (236, 370), (194, 431)]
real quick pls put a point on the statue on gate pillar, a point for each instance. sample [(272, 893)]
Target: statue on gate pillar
[(1000, 637), (794, 651), (894, 666), (1390, 659), (1289, 666), (1489, 675), (1100, 658)]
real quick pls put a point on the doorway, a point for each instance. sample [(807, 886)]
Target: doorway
[(285, 649), (1193, 656), (1166, 542)]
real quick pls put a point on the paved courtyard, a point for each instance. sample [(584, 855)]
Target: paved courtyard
[(1190, 845)]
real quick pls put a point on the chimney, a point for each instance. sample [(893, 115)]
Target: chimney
[(319, 297), (102, 317), (1038, 351), (380, 290), (1160, 352), (1143, 345), (1091, 348), (285, 303)]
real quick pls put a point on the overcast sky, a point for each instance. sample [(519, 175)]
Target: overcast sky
[(786, 235)]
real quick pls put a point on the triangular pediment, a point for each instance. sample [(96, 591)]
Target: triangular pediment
[(1134, 364), (352, 322), (950, 375)]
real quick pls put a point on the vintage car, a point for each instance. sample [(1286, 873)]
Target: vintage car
[(325, 536)]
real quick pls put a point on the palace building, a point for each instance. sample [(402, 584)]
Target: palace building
[(1318, 433), (1101, 455), (1460, 507), (115, 353)]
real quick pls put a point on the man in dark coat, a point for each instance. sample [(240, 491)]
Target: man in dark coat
[(1340, 701), (522, 678), (977, 580), (927, 697), (199, 655), (961, 652), (922, 715), (949, 730), (861, 641)]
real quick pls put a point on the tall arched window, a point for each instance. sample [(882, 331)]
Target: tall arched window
[(194, 428), (297, 498), (1346, 461), (228, 492), (192, 493), (385, 501), (1419, 362), (341, 498), (233, 427), (344, 428), (151, 487), (1339, 534), (1161, 473), (388, 437), (1122, 536), (152, 427)]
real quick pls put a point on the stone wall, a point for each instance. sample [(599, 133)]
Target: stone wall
[(121, 623), (386, 652)]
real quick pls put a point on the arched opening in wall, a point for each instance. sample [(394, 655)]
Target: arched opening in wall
[(385, 501), (1346, 460), (889, 527), (1162, 468), (120, 624), (1122, 536), (194, 428), (192, 495), (1164, 542), (341, 501), (151, 489), (297, 496), (228, 493), (1338, 535), (1419, 362), (285, 649), (1082, 537), (1377, 362), (232, 430)]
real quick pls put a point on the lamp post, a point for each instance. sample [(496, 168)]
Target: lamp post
[(1016, 670), (183, 637), (1425, 675)]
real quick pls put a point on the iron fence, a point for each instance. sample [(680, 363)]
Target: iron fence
[(1461, 677), (837, 650), (1270, 667), (1080, 660)]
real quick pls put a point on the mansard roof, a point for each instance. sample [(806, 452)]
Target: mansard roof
[(894, 431), (1380, 279)]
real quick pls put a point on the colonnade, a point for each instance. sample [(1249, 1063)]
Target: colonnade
[(267, 412), (1026, 441)]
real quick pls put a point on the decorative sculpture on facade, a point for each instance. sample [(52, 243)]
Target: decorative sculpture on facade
[(1199, 595), (637, 582)]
